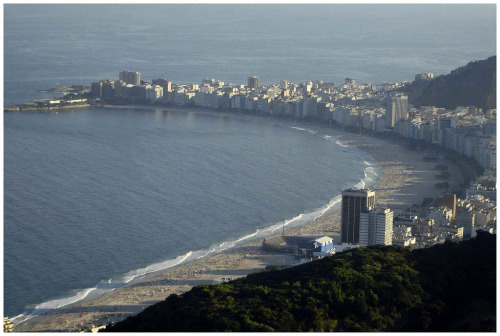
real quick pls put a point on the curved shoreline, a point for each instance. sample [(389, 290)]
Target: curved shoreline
[(132, 301), (132, 277)]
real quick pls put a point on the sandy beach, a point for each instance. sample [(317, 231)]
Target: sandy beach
[(406, 179)]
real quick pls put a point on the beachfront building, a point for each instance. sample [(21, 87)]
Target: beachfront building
[(103, 89), (354, 201), (165, 84), (130, 77), (253, 82), (375, 227), (154, 93), (396, 109), (323, 247)]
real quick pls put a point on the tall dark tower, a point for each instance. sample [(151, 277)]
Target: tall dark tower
[(353, 202)]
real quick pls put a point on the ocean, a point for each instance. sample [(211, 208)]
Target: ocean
[(50, 45), (94, 199), (102, 194)]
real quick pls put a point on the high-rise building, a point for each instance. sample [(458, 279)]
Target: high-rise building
[(449, 201), (130, 77), (104, 88), (396, 109), (350, 81), (154, 93), (467, 220), (96, 89), (119, 88), (375, 227), (253, 82), (354, 201), (108, 89), (165, 84)]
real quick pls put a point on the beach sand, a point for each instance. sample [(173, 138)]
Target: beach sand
[(406, 179)]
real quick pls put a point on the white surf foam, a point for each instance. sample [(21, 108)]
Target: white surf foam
[(336, 141), (130, 276), (304, 129)]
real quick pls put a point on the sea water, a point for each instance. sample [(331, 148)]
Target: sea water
[(103, 194), (46, 46)]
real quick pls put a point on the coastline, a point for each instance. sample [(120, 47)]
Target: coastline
[(406, 179), (19, 108)]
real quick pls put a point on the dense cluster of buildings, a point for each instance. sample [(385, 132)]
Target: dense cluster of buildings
[(468, 131), (465, 130), (381, 109), (449, 219)]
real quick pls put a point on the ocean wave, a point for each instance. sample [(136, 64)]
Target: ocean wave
[(51, 305), (336, 141), (341, 144), (130, 276), (304, 129), (370, 178)]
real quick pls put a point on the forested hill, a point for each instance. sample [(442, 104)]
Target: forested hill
[(471, 85), (449, 287)]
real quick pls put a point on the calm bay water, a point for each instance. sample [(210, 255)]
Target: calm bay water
[(98, 195)]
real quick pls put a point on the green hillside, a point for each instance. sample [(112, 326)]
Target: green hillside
[(471, 85), (449, 287)]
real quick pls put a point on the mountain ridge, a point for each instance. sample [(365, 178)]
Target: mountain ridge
[(448, 287), (471, 85)]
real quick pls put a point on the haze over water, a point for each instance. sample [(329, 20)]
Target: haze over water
[(78, 44), (91, 195)]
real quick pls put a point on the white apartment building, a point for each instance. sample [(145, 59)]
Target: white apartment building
[(154, 93), (375, 227)]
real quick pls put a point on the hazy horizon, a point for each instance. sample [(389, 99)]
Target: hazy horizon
[(185, 43)]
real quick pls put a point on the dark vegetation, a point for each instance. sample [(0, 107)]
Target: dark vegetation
[(471, 85), (449, 287)]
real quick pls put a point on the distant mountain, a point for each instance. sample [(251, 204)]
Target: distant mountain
[(471, 85), (449, 287)]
